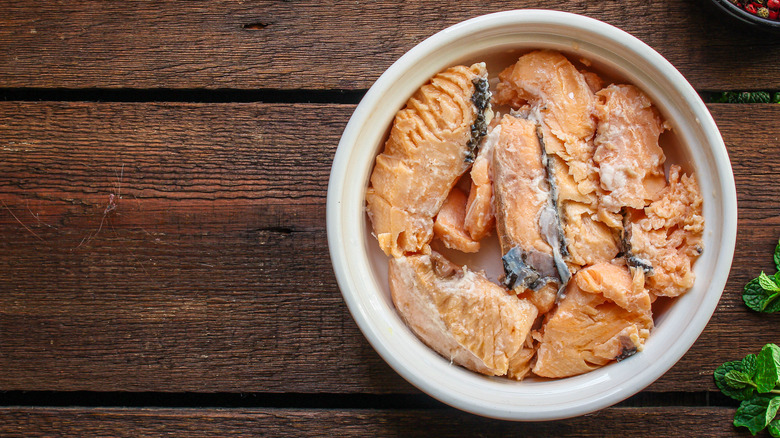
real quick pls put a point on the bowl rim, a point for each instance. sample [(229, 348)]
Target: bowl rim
[(341, 243)]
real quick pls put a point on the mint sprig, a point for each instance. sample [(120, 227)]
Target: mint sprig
[(756, 413), (746, 97), (762, 293), (755, 381), (729, 386)]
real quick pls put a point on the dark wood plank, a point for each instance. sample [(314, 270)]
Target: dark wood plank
[(277, 44), (214, 261), (612, 422), (212, 272)]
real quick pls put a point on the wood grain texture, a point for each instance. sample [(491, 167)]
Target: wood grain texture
[(323, 45), (212, 272), (613, 422)]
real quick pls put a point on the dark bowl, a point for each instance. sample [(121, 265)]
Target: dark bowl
[(746, 18)]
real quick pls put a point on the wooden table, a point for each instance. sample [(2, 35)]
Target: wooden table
[(163, 255)]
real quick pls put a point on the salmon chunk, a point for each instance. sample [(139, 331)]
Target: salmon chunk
[(480, 218), (527, 222), (559, 93), (521, 188), (666, 237), (448, 226), (548, 87), (590, 241), (627, 153), (462, 315), (523, 206), (605, 315), (586, 237), (431, 144), (551, 83)]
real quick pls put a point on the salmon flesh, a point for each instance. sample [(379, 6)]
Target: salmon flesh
[(571, 178), (462, 315), (432, 143), (526, 219)]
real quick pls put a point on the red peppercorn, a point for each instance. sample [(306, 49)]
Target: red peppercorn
[(773, 4), (752, 8)]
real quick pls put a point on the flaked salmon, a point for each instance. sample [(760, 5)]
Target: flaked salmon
[(548, 81), (665, 238), (605, 315), (559, 93), (628, 156), (462, 315), (594, 81), (480, 217), (431, 144), (449, 224), (589, 240)]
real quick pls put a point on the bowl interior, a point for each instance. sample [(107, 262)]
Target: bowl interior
[(361, 267)]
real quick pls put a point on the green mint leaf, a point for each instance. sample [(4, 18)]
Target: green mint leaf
[(777, 248), (774, 428), (772, 303), (768, 283), (756, 413), (754, 295), (721, 371), (745, 97), (750, 365), (768, 371), (761, 97), (758, 97), (737, 379), (760, 299), (746, 366)]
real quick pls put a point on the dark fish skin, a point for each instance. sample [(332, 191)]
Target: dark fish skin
[(627, 349), (481, 100), (555, 237), (625, 243), (517, 272)]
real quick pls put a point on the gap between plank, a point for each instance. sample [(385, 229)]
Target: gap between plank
[(180, 95), (200, 95), (299, 400)]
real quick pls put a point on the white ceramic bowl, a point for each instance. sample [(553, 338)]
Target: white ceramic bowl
[(361, 268)]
